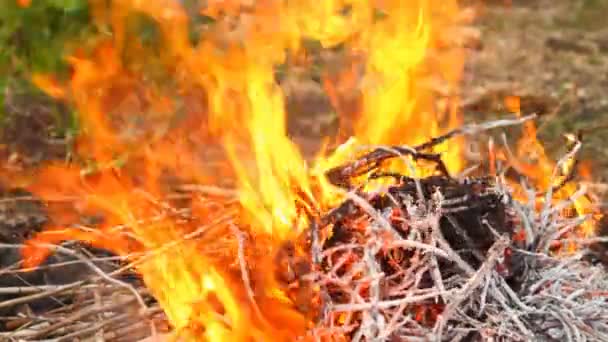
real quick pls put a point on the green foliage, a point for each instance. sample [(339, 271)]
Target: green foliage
[(33, 39)]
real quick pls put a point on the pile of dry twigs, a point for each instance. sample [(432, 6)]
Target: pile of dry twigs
[(87, 298), (444, 257), (453, 259)]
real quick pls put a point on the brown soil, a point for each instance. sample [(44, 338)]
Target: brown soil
[(555, 55), (33, 129)]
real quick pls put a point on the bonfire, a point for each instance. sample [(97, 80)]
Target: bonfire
[(188, 213)]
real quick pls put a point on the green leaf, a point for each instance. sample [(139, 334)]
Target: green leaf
[(68, 5)]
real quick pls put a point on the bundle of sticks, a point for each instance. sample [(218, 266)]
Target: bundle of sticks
[(75, 295), (452, 259)]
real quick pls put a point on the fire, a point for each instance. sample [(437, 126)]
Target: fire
[(142, 129), (545, 174)]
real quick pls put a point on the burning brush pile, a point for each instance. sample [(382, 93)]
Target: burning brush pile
[(439, 258), (187, 211)]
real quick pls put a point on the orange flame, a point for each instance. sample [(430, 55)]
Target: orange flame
[(532, 161), (142, 127)]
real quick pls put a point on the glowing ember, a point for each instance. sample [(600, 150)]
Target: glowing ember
[(143, 128)]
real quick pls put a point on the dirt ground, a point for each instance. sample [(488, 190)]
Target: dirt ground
[(555, 55)]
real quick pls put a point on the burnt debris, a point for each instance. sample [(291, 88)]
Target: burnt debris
[(22, 215)]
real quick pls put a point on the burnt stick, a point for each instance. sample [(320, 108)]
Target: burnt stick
[(340, 176)]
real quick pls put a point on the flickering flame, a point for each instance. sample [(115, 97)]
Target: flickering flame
[(142, 127), (547, 175)]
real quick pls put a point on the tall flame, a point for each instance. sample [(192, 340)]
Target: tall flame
[(142, 127)]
